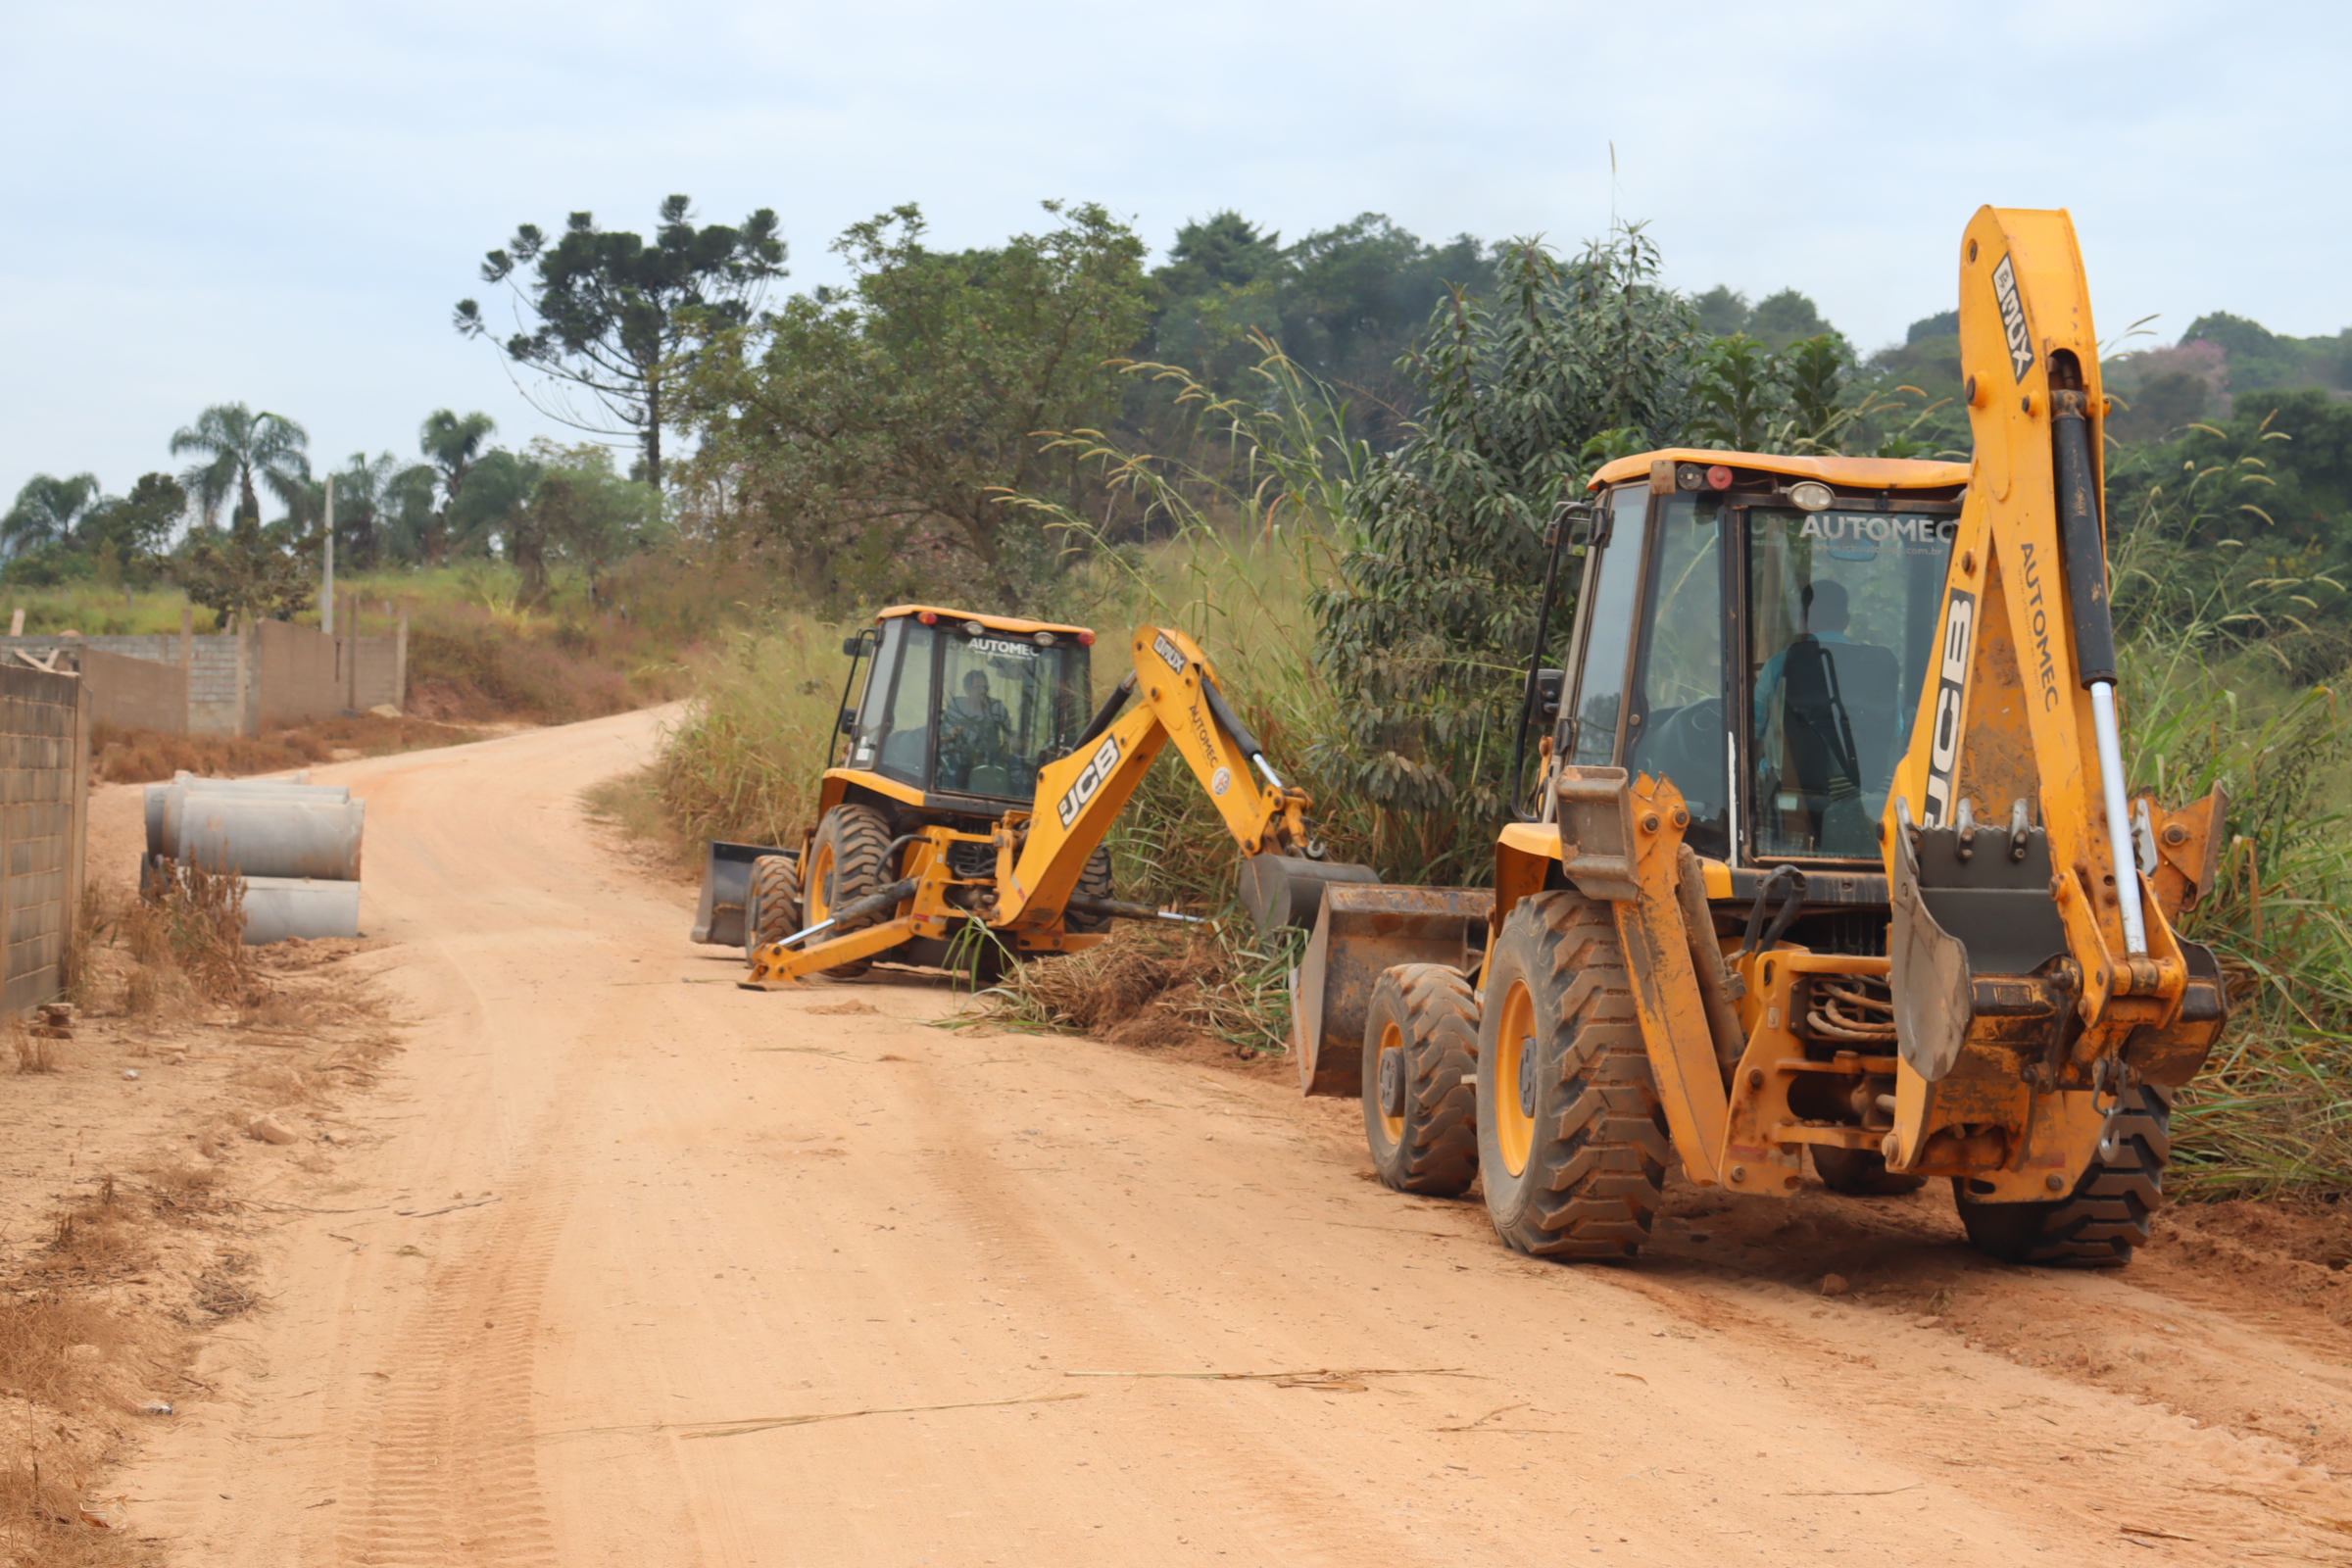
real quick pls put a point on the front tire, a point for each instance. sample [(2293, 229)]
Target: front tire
[(1419, 1090), (1572, 1138), (2107, 1214)]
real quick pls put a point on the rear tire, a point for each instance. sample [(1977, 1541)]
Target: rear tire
[(1095, 882), (1572, 1140), (2106, 1215), (1861, 1173), (1420, 1064), (849, 859), (772, 912)]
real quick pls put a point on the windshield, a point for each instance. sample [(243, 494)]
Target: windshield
[(1008, 708), (1841, 609)]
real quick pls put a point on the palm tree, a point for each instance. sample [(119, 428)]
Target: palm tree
[(374, 496), (48, 511), (451, 442), (239, 447)]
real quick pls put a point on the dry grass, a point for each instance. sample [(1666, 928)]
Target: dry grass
[(1149, 985), (153, 756), (34, 1053), (186, 935)]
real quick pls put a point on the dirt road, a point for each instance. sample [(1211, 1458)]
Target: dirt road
[(638, 1268)]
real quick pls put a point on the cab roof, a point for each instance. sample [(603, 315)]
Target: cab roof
[(1858, 474), (1011, 623)]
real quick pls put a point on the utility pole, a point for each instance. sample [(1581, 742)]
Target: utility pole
[(327, 595)]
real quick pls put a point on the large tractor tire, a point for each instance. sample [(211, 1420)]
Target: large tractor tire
[(1419, 1086), (1572, 1140), (773, 911), (849, 859), (1095, 882), (1861, 1173), (2106, 1215)]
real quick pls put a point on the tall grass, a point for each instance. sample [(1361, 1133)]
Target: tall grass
[(2211, 706), (745, 761)]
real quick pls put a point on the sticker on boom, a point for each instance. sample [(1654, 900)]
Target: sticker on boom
[(1099, 769), (2013, 318), (1169, 653), (1951, 698)]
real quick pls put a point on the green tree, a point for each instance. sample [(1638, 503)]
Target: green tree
[(48, 511), (452, 443), (247, 571), (580, 512), (614, 315), (129, 536), (237, 448), (381, 504), (1425, 628), (889, 422)]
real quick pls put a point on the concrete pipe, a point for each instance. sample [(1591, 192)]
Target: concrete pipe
[(158, 842), (265, 835), (265, 786), (281, 906)]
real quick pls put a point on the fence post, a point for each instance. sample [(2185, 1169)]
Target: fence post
[(187, 669), (399, 664)]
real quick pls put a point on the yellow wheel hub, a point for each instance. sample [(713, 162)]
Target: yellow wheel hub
[(1389, 1061), (1514, 1056), (819, 883)]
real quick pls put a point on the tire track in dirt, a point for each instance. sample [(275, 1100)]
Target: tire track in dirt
[(453, 1475)]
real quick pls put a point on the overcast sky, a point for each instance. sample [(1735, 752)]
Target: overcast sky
[(279, 204)]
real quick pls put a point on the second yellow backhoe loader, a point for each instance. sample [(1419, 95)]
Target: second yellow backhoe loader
[(1832, 850), (973, 801)]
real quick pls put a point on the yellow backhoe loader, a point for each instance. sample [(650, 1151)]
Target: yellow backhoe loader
[(975, 792), (1830, 851)]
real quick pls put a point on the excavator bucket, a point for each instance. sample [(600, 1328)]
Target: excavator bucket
[(726, 883), (1359, 931)]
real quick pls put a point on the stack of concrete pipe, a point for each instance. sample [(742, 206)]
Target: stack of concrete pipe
[(296, 845)]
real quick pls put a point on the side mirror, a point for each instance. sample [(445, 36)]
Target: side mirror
[(849, 721), (853, 646), (1549, 683), (1582, 519)]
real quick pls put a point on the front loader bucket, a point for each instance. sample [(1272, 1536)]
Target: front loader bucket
[(1360, 932), (726, 883)]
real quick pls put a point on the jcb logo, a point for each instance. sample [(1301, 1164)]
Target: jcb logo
[(1169, 653), (1099, 769), (1951, 696)]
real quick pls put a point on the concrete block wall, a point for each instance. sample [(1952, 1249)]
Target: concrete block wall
[(44, 810), (292, 673), (132, 693)]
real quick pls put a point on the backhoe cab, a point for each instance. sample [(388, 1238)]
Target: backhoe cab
[(1829, 847), (964, 820)]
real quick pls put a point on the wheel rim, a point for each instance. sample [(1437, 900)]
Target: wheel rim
[(1514, 1079), (819, 891), (1392, 1061)]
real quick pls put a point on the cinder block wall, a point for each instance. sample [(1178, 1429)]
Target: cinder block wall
[(296, 673), (44, 807), (132, 693)]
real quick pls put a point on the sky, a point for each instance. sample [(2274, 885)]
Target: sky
[(279, 204)]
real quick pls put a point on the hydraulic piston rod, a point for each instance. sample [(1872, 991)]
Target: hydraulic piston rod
[(2094, 645)]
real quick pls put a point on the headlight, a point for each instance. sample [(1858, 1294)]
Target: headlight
[(1810, 494)]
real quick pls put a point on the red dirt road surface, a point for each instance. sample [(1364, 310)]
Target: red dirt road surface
[(634, 1267)]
